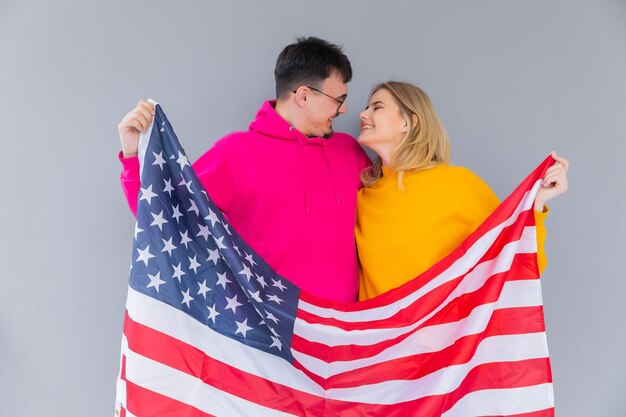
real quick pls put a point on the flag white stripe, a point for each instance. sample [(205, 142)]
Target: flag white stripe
[(458, 268), (335, 336), (144, 139), (510, 401), (433, 338), (493, 349), (120, 395), (167, 381)]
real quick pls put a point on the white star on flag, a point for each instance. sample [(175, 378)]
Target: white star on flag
[(220, 243), (144, 255), (250, 260), (232, 303), (203, 289), (168, 246), (274, 299), (158, 160), (212, 313), (147, 194), (176, 213), (246, 271), (168, 186), (155, 281), (242, 327), (186, 298), (261, 280), (137, 229), (279, 284), (178, 272), (204, 231), (212, 218), (182, 161), (193, 207), (222, 280), (193, 264), (158, 220), (276, 343), (184, 238), (255, 296), (214, 256), (270, 316)]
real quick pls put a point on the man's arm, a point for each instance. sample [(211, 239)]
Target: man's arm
[(212, 168)]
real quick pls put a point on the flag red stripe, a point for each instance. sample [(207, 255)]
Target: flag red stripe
[(511, 321), (145, 341)]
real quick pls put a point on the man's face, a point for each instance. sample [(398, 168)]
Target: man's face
[(324, 105)]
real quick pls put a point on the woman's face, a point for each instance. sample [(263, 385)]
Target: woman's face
[(381, 121)]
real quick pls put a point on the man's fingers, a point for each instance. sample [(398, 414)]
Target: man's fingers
[(144, 117), (146, 105)]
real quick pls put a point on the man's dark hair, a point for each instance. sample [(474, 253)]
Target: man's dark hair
[(309, 61)]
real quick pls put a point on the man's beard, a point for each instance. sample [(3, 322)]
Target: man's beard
[(329, 134)]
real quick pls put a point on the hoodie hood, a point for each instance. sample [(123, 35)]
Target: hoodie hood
[(269, 123)]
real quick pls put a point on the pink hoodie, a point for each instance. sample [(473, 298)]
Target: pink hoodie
[(291, 198)]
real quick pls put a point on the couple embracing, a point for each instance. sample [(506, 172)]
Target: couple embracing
[(312, 204)]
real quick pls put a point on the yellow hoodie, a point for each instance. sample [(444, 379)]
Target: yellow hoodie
[(402, 233)]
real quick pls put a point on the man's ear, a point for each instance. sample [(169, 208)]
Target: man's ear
[(300, 95)]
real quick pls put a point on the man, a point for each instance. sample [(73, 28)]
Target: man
[(288, 185)]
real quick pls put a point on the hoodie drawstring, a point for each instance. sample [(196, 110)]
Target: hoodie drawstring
[(306, 200), (301, 161), (330, 173)]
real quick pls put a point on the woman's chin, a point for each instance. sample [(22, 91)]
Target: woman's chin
[(363, 138)]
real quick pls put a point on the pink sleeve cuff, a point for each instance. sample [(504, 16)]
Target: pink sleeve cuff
[(130, 166)]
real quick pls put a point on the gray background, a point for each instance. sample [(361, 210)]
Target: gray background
[(512, 80)]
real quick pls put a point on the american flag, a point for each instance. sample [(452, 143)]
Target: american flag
[(211, 330)]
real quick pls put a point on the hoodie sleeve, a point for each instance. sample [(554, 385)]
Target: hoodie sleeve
[(215, 175), (540, 218), (130, 180)]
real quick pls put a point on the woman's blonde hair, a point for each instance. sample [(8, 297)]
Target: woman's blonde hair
[(425, 144)]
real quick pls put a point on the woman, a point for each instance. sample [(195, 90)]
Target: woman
[(415, 207)]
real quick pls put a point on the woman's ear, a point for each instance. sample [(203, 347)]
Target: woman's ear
[(405, 126), (414, 122)]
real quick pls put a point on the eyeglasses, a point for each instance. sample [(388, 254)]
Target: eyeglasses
[(339, 100)]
